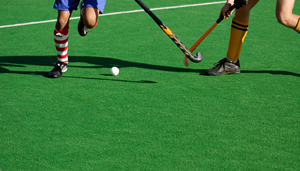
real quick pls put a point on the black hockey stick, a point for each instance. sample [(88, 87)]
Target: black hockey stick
[(183, 48)]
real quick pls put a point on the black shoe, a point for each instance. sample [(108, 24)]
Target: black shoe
[(224, 66), (82, 30), (58, 69)]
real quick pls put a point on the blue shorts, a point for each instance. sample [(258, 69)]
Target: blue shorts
[(69, 5)]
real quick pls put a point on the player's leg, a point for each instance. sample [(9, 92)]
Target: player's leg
[(88, 20), (285, 16), (90, 10), (90, 17), (61, 34), (61, 37), (239, 29)]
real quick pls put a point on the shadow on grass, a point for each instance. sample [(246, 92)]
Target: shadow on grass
[(101, 62), (96, 62)]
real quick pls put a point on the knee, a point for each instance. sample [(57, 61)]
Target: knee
[(250, 5), (63, 19), (245, 10), (90, 22), (282, 19), (90, 17), (62, 23)]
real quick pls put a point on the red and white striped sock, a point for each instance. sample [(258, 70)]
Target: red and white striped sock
[(61, 37)]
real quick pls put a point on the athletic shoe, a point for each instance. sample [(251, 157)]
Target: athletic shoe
[(224, 66), (58, 69), (82, 30)]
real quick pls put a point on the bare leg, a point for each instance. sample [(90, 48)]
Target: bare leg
[(284, 13), (90, 16), (61, 37), (243, 14), (63, 19)]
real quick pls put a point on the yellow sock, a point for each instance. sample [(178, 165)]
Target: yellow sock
[(238, 33), (297, 28)]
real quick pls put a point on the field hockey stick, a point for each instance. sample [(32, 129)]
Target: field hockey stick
[(204, 35), (183, 48), (237, 4)]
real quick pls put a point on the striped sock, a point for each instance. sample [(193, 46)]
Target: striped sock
[(61, 37), (238, 33)]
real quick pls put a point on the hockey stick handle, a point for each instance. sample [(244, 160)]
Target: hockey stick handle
[(143, 6), (146, 9), (171, 35), (221, 17), (205, 34)]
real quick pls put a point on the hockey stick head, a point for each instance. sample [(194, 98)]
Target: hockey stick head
[(198, 58)]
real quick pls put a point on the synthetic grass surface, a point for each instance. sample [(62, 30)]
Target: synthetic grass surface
[(156, 114)]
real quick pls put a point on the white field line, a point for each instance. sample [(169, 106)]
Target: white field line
[(116, 13)]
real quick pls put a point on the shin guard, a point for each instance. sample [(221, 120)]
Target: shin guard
[(61, 37)]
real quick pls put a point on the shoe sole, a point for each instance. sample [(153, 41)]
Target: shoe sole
[(64, 69), (223, 74)]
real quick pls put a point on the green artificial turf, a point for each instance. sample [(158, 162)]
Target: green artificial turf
[(157, 114)]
